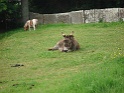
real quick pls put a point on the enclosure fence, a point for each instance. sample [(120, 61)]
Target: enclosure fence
[(81, 16)]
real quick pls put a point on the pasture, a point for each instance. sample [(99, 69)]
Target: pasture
[(26, 65)]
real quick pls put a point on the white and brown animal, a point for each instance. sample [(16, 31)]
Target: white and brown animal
[(67, 44), (31, 23)]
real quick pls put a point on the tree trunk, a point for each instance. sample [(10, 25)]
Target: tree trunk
[(25, 10)]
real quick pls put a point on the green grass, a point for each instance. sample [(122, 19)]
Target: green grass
[(98, 67)]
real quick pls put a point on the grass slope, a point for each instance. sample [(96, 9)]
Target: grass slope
[(98, 67)]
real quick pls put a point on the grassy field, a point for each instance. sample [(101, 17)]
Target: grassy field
[(26, 66)]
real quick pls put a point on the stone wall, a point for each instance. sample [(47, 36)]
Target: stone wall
[(82, 16)]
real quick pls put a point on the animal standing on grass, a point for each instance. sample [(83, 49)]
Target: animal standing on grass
[(31, 23), (67, 44)]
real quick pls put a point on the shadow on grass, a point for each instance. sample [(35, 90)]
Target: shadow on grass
[(9, 33)]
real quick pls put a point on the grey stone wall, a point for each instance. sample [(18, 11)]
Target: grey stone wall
[(76, 17), (63, 18), (99, 15), (49, 18), (82, 16), (111, 15)]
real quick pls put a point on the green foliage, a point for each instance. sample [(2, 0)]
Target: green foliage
[(3, 6), (10, 13), (96, 68)]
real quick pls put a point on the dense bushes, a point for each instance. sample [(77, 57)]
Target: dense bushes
[(10, 13)]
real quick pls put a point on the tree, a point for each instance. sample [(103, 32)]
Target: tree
[(25, 10), (9, 14), (3, 5), (12, 12)]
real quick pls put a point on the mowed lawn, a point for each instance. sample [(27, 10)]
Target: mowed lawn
[(26, 65)]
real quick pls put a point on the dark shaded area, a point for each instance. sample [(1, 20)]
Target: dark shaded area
[(58, 6), (9, 18)]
